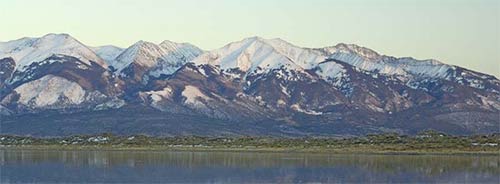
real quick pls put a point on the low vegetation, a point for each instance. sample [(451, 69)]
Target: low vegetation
[(424, 142)]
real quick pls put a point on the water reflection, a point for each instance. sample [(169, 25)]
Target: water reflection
[(229, 167)]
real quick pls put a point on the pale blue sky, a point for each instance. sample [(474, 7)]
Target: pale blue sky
[(459, 32)]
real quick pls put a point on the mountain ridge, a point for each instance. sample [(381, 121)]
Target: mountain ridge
[(343, 89)]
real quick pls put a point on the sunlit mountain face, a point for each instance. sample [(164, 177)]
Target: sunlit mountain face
[(255, 86)]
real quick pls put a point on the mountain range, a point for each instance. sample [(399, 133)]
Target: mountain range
[(55, 85)]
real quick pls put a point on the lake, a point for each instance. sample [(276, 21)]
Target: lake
[(52, 166)]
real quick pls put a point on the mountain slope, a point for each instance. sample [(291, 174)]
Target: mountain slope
[(60, 82), (256, 55), (108, 53), (144, 59), (53, 72), (407, 69), (7, 67), (27, 51), (267, 84)]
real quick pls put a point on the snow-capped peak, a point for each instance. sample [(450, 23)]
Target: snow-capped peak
[(259, 55), (352, 49), (108, 52), (369, 60), (142, 52), (185, 51), (30, 50), (304, 57), (164, 58)]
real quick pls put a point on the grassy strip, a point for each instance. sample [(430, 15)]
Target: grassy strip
[(352, 149), (428, 142)]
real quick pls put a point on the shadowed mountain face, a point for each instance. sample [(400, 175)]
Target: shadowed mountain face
[(251, 87), (6, 69)]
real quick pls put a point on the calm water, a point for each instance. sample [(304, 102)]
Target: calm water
[(28, 166)]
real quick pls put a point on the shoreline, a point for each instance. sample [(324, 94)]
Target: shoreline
[(345, 150)]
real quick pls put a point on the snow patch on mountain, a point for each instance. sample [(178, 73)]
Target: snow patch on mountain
[(49, 90), (296, 107), (165, 93), (193, 95), (112, 104), (331, 71)]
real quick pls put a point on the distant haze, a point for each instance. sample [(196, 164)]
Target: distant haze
[(458, 32)]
